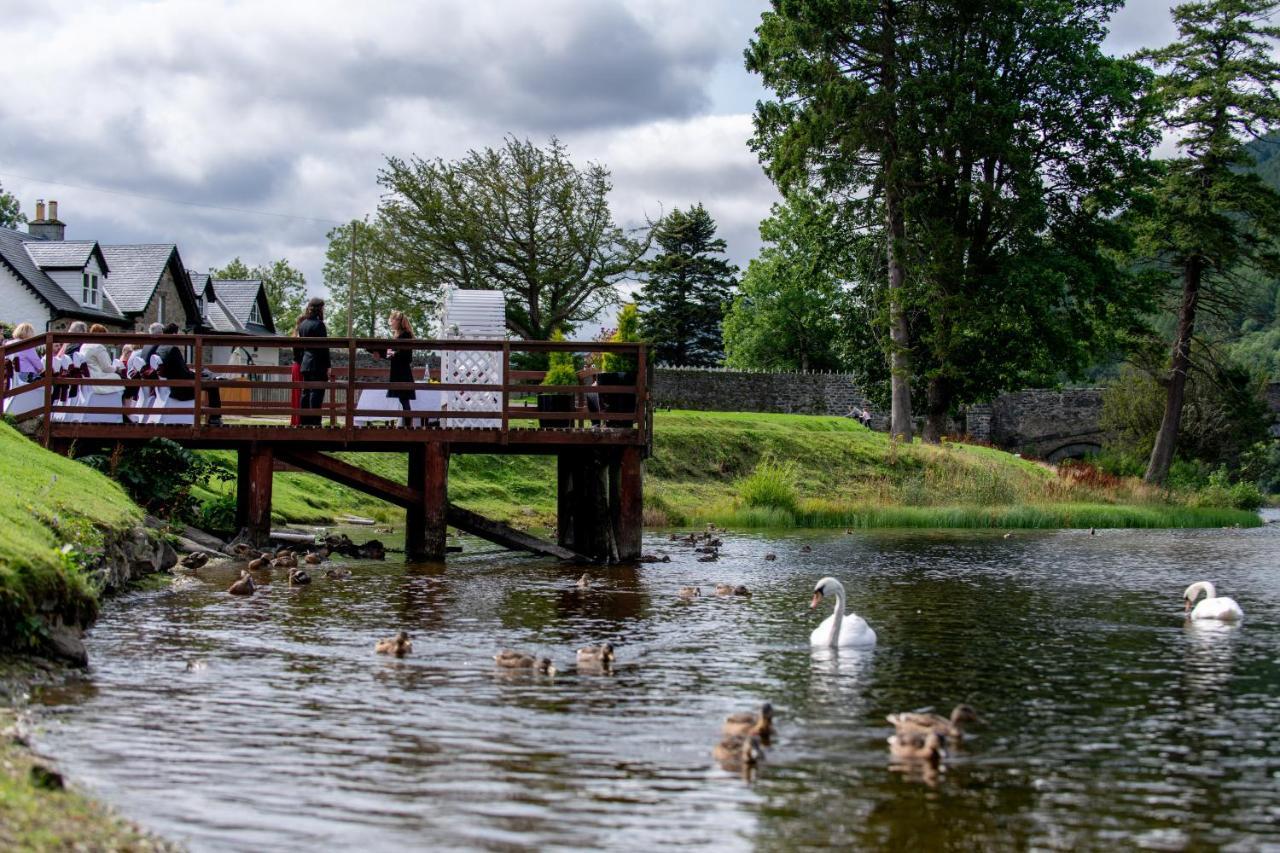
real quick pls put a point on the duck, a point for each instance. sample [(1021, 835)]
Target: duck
[(399, 645), (313, 559), (584, 582), (758, 723), (511, 659), (601, 655), (770, 557), (286, 562), (739, 752), (299, 577), (724, 589), (259, 563), (742, 591), (690, 592), (1223, 609), (840, 628), (708, 558), (926, 747), (243, 586), (338, 574), (806, 549), (951, 728), (196, 560)]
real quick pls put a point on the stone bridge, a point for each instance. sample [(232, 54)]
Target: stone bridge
[(1052, 425)]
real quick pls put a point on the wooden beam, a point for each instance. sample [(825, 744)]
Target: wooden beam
[(258, 517), (351, 476), (425, 523), (506, 535), (630, 511)]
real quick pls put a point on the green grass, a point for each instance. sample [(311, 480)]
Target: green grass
[(49, 501), (767, 470)]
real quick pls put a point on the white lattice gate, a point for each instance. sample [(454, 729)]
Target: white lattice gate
[(473, 315)]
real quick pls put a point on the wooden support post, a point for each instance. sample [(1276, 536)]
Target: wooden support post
[(566, 520), (259, 510), (630, 507), (425, 521), (243, 476)]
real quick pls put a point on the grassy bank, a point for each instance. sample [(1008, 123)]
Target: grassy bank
[(761, 470), (50, 502)]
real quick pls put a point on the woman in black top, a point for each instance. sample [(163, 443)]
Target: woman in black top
[(313, 362), (401, 362)]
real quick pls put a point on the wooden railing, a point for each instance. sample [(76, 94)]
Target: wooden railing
[(270, 386)]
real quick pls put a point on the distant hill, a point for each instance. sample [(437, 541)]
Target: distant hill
[(1266, 151)]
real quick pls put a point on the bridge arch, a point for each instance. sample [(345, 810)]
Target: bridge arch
[(1074, 450)]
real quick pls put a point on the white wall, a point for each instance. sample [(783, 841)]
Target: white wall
[(72, 281), (18, 304)]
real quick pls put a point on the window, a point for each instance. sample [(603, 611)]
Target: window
[(89, 290), (200, 307), (254, 316), (160, 309)]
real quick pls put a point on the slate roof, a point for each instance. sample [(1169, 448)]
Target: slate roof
[(238, 297), (135, 272), (14, 255), (220, 321), (62, 254)]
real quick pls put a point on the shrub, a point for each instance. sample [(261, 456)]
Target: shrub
[(1219, 491), (560, 370), (159, 475), (770, 486), (218, 515), (1260, 464), (628, 332)]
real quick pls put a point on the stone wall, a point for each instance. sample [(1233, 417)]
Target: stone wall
[(711, 390)]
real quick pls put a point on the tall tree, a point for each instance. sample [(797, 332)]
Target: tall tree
[(838, 71), (791, 307), (520, 219), (285, 286), (11, 215), (1212, 215), (380, 286), (688, 289)]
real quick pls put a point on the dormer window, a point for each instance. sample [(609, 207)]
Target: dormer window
[(89, 294), (254, 316)]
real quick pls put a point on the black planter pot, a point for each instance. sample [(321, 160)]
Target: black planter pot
[(617, 403), (555, 403)]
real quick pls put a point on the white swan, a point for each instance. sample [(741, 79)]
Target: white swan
[(840, 628), (1224, 609)]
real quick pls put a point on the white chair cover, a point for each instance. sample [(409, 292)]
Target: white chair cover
[(136, 365), (101, 397), (176, 411), (21, 401)]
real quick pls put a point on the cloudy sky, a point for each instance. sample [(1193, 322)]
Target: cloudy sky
[(120, 110)]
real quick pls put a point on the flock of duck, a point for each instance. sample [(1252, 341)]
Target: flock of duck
[(919, 739)]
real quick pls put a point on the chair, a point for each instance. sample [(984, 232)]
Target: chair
[(20, 402), (180, 412), (143, 399), (99, 397)]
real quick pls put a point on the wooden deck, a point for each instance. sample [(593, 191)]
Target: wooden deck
[(600, 441)]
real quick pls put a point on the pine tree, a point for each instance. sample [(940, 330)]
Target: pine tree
[(688, 290), (1213, 216)]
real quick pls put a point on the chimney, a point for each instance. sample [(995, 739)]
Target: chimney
[(47, 229)]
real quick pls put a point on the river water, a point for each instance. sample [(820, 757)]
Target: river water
[(268, 723)]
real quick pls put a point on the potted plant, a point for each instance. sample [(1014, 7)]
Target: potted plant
[(620, 368), (560, 371)]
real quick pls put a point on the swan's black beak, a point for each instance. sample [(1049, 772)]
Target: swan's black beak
[(1187, 602), (817, 598)]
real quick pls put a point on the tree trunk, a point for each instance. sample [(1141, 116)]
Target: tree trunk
[(1179, 366), (899, 360), (937, 407)]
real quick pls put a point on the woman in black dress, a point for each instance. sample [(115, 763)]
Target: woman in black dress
[(401, 363)]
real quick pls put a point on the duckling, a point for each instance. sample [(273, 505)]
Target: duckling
[(584, 582), (928, 748), (724, 589), (1007, 536), (770, 557), (806, 549), (399, 645), (601, 655), (260, 563), (707, 549), (244, 586), (739, 752), (742, 591), (951, 728), (511, 659), (313, 559), (196, 560), (283, 551), (690, 592), (338, 574), (289, 562), (241, 549), (755, 723), (299, 577), (708, 558)]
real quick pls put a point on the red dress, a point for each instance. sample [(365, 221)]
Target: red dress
[(295, 396)]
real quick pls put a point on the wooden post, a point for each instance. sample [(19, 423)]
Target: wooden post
[(197, 406), (261, 465), (425, 521), (243, 476), (630, 511), (565, 516)]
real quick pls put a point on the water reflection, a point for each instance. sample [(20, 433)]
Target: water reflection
[(1111, 724)]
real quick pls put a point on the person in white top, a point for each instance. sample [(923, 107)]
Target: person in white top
[(101, 364)]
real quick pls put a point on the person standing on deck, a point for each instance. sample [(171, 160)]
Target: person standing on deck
[(401, 362), (295, 374), (313, 361)]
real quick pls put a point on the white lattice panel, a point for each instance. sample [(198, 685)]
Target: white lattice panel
[(473, 315)]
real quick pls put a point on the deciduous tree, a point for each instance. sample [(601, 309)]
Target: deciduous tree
[(285, 286), (11, 215), (380, 285)]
